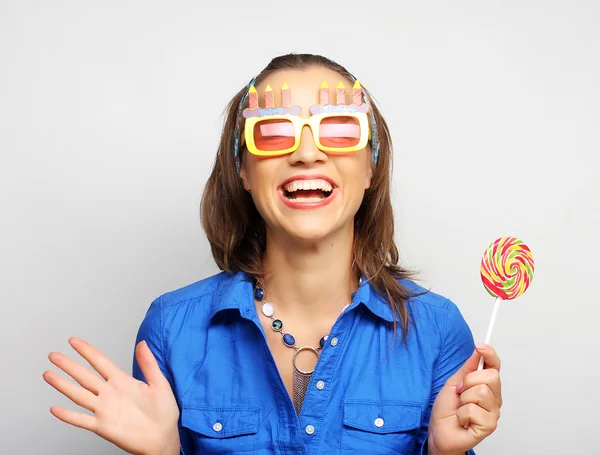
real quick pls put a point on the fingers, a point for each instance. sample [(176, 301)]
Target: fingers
[(489, 377), (477, 419), (148, 364), (77, 419), (102, 364), (490, 357), (82, 375), (485, 351), (483, 396), (466, 368), (76, 394)]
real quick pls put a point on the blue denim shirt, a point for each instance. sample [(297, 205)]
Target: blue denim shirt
[(210, 345)]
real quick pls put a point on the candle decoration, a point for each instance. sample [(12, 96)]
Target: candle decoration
[(357, 93), (269, 101), (285, 96), (324, 94), (341, 93), (252, 98)]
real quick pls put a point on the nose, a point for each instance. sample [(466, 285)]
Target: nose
[(307, 151)]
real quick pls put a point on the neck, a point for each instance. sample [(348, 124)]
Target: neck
[(310, 279)]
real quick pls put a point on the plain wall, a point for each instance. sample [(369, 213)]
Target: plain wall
[(110, 113)]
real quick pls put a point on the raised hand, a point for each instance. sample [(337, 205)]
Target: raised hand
[(467, 408), (139, 418)]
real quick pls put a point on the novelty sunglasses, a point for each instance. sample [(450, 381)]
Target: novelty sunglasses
[(274, 135), (336, 128)]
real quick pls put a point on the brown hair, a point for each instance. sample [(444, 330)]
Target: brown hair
[(237, 239)]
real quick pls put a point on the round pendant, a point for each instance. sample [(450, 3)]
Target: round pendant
[(304, 348), (268, 309), (277, 325)]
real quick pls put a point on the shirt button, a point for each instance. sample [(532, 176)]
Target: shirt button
[(320, 385), (310, 429), (217, 427), (378, 422), (334, 341)]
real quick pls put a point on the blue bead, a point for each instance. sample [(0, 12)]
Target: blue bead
[(259, 294), (323, 340), (289, 340)]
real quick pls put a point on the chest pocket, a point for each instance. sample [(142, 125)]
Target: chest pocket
[(380, 427), (222, 430)]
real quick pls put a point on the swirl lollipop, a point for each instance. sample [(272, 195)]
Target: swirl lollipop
[(507, 268), (506, 271)]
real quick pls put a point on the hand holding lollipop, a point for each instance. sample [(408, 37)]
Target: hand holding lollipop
[(506, 271), (474, 397)]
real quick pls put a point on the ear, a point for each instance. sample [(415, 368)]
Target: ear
[(368, 178), (244, 177)]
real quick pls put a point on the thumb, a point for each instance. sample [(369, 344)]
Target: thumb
[(469, 366), (148, 364)]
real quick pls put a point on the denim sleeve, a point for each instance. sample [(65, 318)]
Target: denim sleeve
[(151, 330), (457, 345)]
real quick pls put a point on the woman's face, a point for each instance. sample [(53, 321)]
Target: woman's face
[(280, 186)]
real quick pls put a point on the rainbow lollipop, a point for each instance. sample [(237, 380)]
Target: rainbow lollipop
[(506, 271), (507, 268)]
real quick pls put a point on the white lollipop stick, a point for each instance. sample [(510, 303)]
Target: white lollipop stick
[(488, 335), (490, 329)]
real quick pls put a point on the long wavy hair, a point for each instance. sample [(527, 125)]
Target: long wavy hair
[(237, 240)]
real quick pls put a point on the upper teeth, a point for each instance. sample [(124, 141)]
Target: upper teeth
[(318, 184)]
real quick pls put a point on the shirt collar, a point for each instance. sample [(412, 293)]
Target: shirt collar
[(372, 300), (235, 291)]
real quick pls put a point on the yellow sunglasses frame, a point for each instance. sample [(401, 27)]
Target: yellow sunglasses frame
[(299, 123)]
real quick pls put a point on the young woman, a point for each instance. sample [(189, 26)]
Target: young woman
[(312, 339)]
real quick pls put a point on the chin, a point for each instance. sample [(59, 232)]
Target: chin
[(312, 231)]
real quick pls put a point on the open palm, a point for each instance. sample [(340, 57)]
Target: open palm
[(139, 418)]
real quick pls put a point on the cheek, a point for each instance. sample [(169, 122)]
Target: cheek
[(255, 171), (260, 193), (260, 175), (358, 178), (355, 185), (354, 189)]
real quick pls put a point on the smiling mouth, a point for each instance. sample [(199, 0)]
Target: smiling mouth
[(307, 190), (307, 195)]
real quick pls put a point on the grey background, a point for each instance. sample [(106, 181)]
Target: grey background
[(109, 120)]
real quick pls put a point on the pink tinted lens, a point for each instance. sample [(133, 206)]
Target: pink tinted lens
[(274, 135), (339, 131)]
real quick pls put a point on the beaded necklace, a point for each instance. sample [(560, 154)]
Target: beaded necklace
[(301, 378)]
